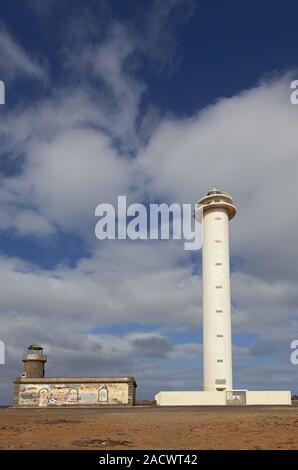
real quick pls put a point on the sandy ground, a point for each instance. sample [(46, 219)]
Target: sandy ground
[(150, 428)]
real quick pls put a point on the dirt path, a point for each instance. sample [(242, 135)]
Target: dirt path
[(150, 428)]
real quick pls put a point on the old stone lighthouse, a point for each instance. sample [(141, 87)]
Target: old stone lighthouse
[(33, 389)]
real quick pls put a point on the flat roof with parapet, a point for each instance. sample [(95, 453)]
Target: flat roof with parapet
[(50, 380)]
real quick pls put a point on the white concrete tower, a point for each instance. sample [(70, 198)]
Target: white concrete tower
[(214, 211)]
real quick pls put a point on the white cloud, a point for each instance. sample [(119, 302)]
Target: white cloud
[(70, 175), (187, 350), (119, 93), (246, 145), (120, 283), (129, 283), (66, 175), (156, 34), (15, 61), (28, 222)]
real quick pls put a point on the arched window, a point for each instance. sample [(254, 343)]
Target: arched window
[(43, 397), (73, 395), (103, 394)]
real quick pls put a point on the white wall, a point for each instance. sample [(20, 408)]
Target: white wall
[(190, 398), (268, 398), (216, 301), (219, 398)]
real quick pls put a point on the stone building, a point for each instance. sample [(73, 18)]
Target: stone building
[(33, 389)]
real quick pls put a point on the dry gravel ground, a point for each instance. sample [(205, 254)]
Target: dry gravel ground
[(150, 428)]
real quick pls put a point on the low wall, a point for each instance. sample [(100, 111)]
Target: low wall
[(220, 398), (268, 397), (190, 398), (74, 392)]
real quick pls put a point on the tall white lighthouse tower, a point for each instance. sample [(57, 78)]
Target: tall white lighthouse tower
[(215, 210)]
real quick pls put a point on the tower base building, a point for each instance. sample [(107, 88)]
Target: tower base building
[(230, 398)]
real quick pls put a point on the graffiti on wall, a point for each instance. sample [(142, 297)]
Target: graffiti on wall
[(43, 397), (88, 397), (58, 397), (29, 395), (47, 395)]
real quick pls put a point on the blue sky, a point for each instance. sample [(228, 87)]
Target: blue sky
[(159, 101)]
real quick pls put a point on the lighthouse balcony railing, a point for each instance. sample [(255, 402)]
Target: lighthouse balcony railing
[(34, 356)]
